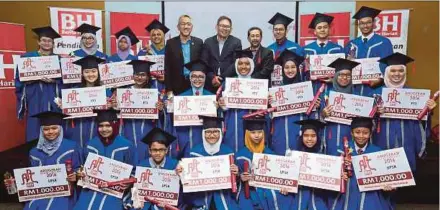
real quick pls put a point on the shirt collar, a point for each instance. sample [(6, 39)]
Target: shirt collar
[(319, 42), (154, 165), (199, 89), (358, 148), (368, 37)]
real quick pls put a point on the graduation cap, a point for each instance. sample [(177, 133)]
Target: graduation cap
[(141, 66), (155, 24), (361, 122), (253, 124), (196, 65), (211, 122), (127, 32), (160, 136), (87, 28), (316, 125), (343, 64), (50, 118), (288, 55), (396, 59), (89, 62), (279, 18), (243, 54), (46, 31), (319, 18), (366, 12), (106, 115)]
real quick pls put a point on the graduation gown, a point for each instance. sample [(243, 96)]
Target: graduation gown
[(121, 150), (260, 198), (134, 130), (409, 134), (159, 85), (223, 199), (81, 53), (287, 44), (68, 150), (34, 97), (115, 58), (376, 46), (352, 199), (286, 133), (188, 136)]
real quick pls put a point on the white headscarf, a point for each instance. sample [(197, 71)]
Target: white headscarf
[(387, 79), (49, 147), (248, 76), (212, 148), (92, 50)]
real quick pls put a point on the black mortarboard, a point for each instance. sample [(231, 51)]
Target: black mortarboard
[(50, 118), (280, 19), (211, 122), (396, 59), (366, 12), (288, 55), (46, 31), (155, 24), (319, 18), (158, 135), (141, 66), (343, 64), (87, 28), (89, 62), (106, 115), (361, 122), (127, 32), (253, 124), (310, 124), (196, 65), (243, 54)]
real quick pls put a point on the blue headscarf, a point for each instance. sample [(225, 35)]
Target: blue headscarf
[(49, 147)]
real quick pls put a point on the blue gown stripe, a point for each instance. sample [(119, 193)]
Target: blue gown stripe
[(371, 47)]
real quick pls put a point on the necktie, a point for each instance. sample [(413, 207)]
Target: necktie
[(197, 92), (365, 40), (360, 152), (321, 45)]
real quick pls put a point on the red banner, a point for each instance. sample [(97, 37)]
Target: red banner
[(137, 22), (11, 43), (339, 29)]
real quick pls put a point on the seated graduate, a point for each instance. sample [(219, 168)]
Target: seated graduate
[(309, 141), (111, 145), (52, 148), (125, 38), (89, 43), (361, 131), (212, 146), (189, 136), (259, 198)]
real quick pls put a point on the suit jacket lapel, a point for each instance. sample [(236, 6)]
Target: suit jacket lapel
[(225, 46), (192, 50), (216, 50), (179, 47)]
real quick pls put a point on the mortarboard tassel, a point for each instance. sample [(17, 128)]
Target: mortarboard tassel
[(72, 124), (329, 134), (378, 126), (177, 145)]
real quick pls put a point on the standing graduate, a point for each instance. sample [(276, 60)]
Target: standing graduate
[(125, 38), (89, 43), (212, 135), (285, 134), (259, 198), (189, 136), (361, 130), (135, 129), (280, 24), (34, 97), (308, 197), (111, 145), (393, 133), (52, 148), (368, 45), (342, 83)]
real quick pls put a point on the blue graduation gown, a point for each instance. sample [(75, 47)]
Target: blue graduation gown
[(188, 136), (260, 198), (68, 150), (35, 97), (409, 134), (115, 58), (353, 199), (286, 133), (223, 199), (287, 44), (121, 150), (81, 53), (136, 129), (377, 46), (159, 85)]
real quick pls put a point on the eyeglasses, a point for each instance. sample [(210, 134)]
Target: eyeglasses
[(88, 38), (194, 77), (185, 24), (345, 76), (208, 132), (158, 150), (224, 26), (279, 29)]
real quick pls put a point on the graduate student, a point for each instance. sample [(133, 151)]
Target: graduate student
[(259, 198), (89, 43), (368, 45), (125, 38), (37, 96), (280, 23), (52, 148), (111, 145)]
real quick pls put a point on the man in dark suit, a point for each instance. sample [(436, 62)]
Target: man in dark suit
[(178, 51), (263, 57), (218, 53)]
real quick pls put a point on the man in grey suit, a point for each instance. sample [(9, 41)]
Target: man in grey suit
[(218, 53)]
